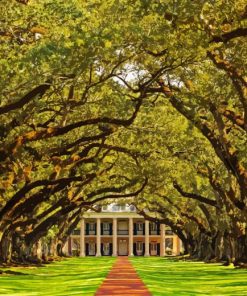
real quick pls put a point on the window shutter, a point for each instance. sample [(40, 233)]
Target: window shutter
[(87, 228), (101, 249), (158, 249), (110, 249), (158, 228), (101, 228), (135, 230), (110, 228), (143, 228), (134, 249), (143, 251), (87, 249)]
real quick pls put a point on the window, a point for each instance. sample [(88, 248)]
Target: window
[(91, 249), (92, 226), (139, 246), (139, 226), (153, 226), (106, 226), (106, 248), (114, 208), (132, 208), (168, 246), (153, 247), (122, 208)]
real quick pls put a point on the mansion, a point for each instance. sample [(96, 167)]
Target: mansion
[(119, 231)]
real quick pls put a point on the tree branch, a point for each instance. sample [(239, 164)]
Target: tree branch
[(39, 90), (194, 196), (239, 32)]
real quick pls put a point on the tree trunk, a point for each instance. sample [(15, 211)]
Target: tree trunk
[(6, 247), (53, 247)]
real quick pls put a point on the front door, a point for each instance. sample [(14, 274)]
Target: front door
[(153, 249), (106, 249), (91, 250), (123, 247), (139, 248)]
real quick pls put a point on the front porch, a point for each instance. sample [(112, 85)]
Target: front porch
[(123, 246)]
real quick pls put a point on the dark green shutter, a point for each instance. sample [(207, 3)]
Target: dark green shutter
[(158, 249), (87, 249), (158, 228), (135, 230), (134, 249), (87, 229)]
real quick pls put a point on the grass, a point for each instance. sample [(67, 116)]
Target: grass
[(75, 276), (164, 276)]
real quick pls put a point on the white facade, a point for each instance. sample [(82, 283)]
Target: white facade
[(119, 231)]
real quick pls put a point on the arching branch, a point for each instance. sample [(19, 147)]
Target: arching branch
[(194, 196), (37, 91)]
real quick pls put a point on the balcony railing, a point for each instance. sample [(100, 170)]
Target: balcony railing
[(139, 232), (123, 232), (106, 232), (154, 232), (169, 232), (76, 232), (90, 232)]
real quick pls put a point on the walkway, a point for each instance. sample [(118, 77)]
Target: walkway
[(123, 280)]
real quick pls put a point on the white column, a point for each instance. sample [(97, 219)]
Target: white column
[(82, 238), (146, 238), (98, 252), (39, 249), (178, 246), (162, 240), (175, 250), (131, 237), (66, 248), (114, 238)]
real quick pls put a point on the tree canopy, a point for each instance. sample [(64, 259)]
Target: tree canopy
[(141, 99)]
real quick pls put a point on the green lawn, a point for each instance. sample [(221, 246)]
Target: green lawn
[(164, 276), (76, 276)]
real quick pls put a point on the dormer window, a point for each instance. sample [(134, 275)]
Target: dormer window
[(104, 208), (122, 207)]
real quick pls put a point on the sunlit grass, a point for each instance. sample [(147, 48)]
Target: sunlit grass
[(165, 277), (76, 276)]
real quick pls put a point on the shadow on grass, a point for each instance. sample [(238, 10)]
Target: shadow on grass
[(168, 276), (75, 276), (3, 272)]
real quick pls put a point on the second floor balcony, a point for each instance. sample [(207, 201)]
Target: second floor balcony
[(106, 229), (123, 232)]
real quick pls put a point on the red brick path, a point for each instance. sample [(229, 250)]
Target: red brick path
[(123, 280)]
